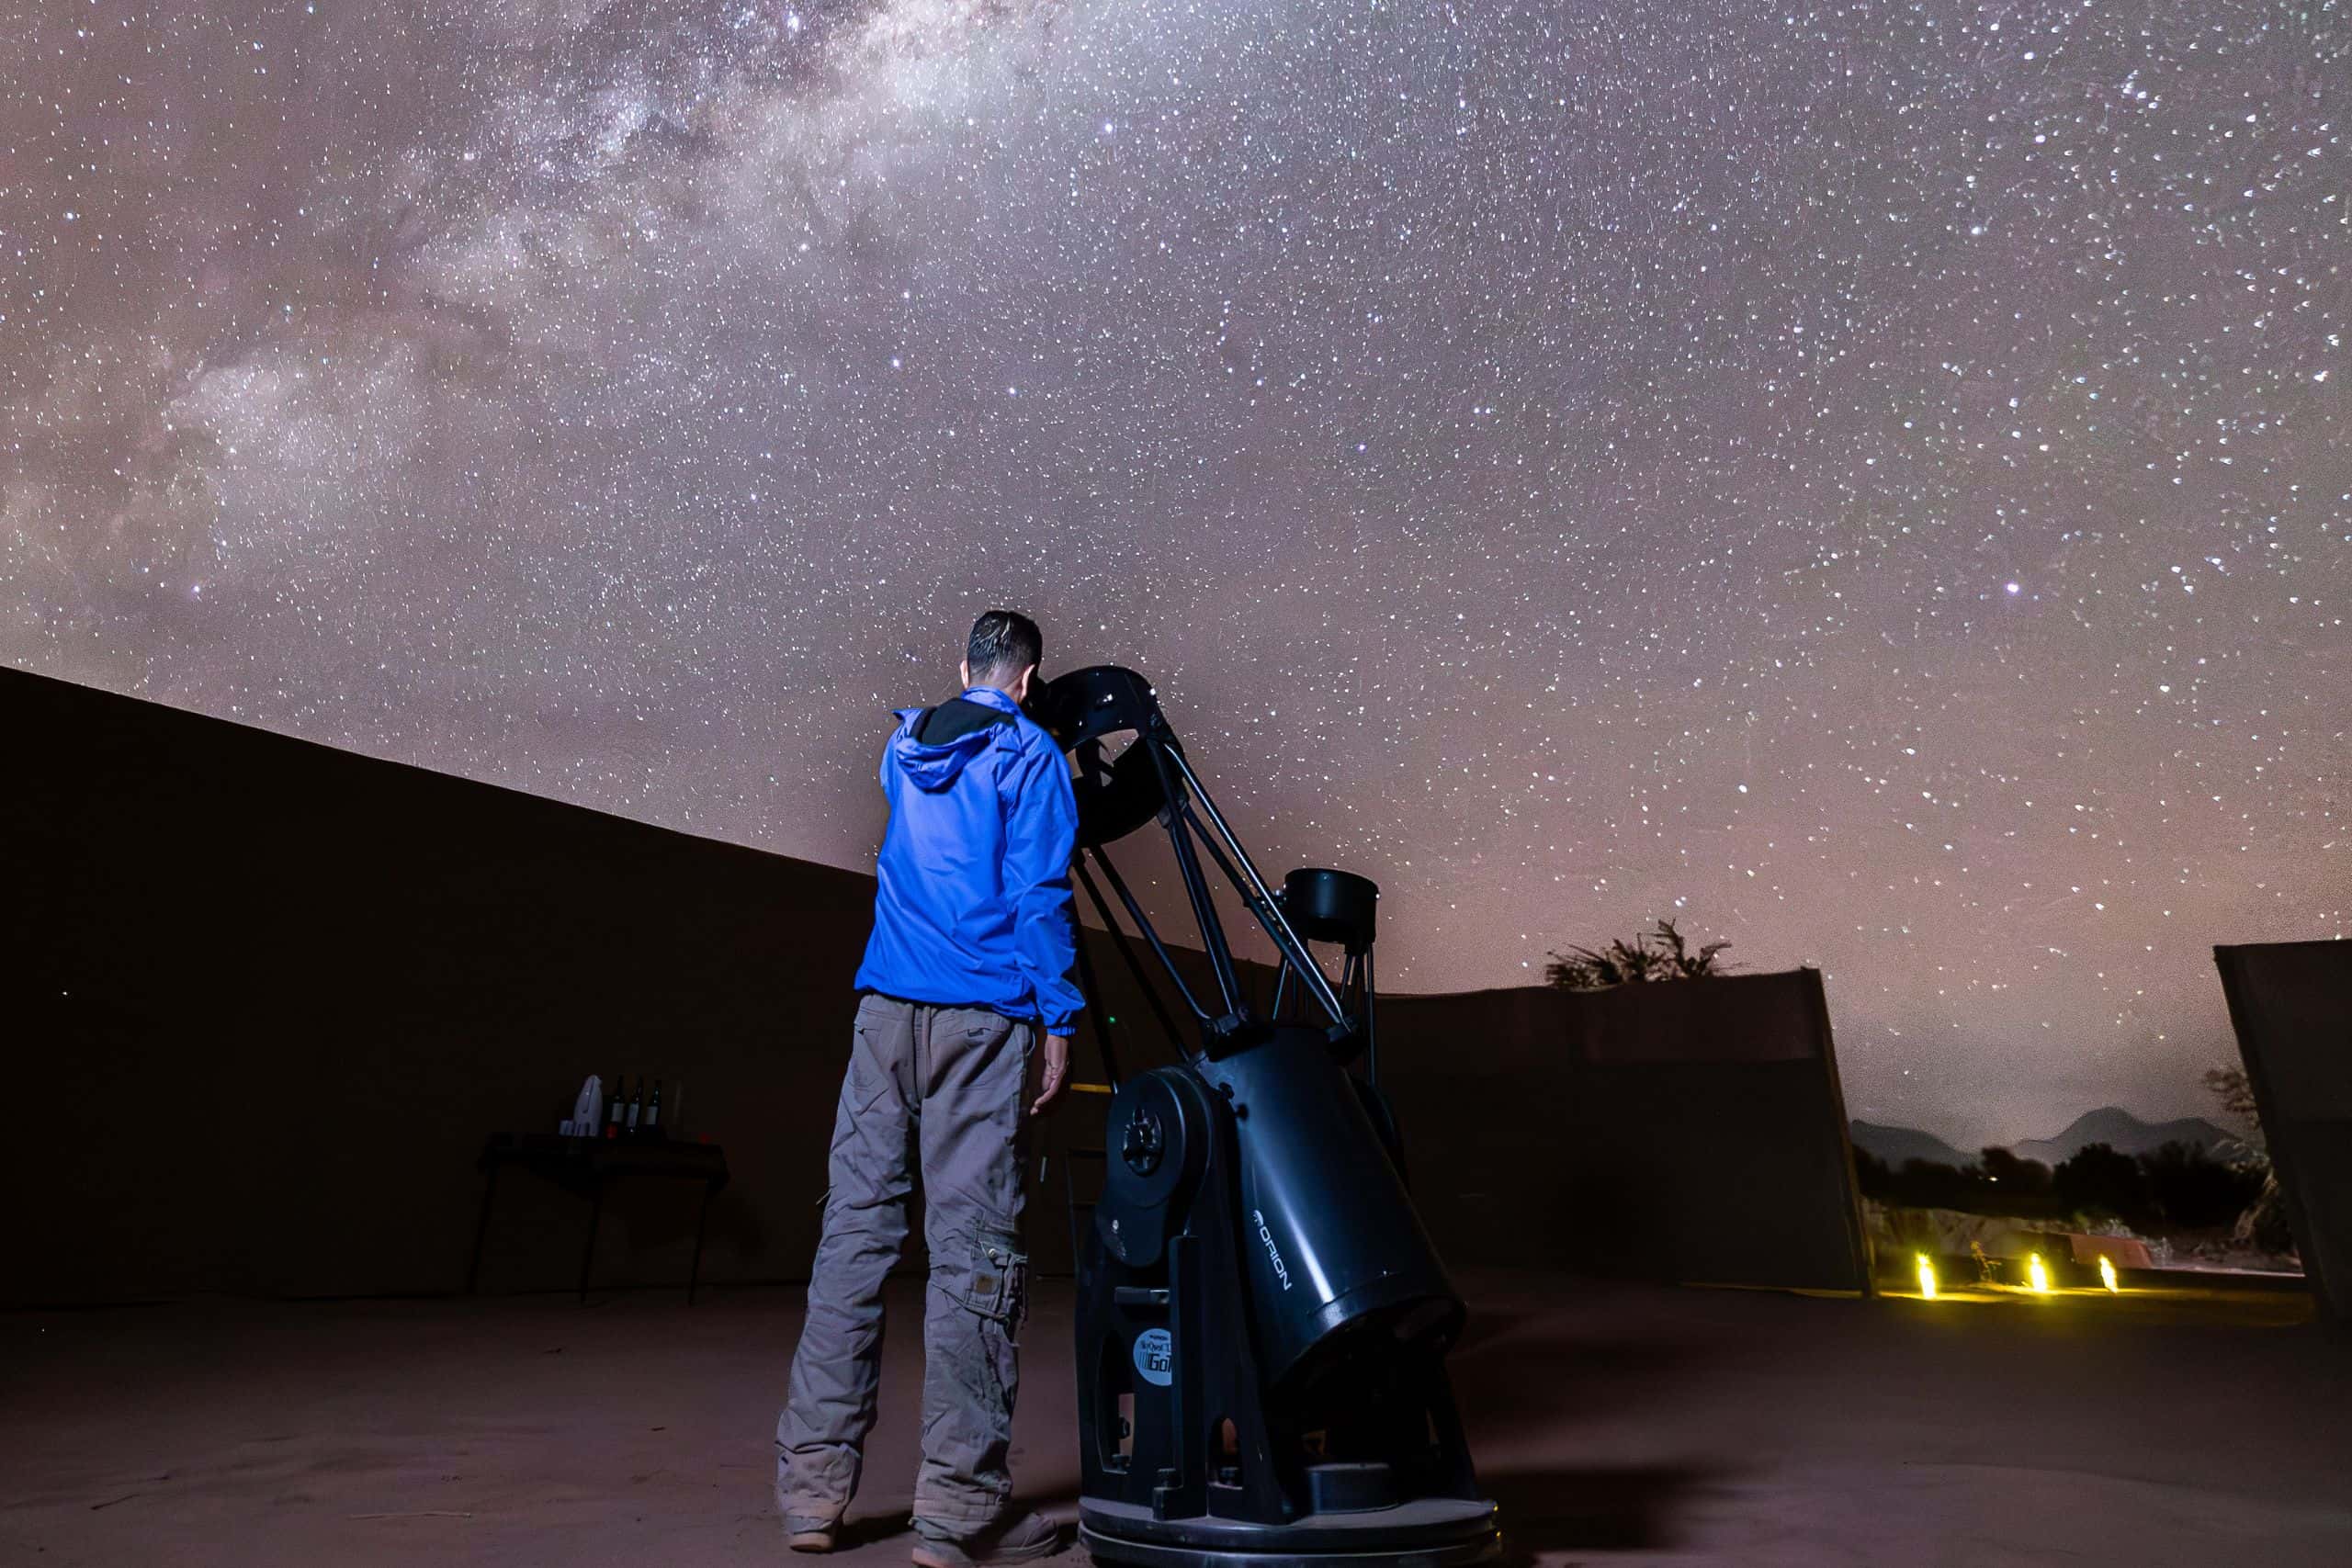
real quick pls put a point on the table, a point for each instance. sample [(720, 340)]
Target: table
[(586, 1165)]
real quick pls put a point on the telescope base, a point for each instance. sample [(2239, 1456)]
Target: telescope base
[(1427, 1532)]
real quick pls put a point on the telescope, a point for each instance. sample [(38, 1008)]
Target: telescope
[(1262, 1320)]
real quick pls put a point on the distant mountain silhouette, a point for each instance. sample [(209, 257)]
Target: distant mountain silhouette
[(2111, 1126), (2122, 1132), (1896, 1145)]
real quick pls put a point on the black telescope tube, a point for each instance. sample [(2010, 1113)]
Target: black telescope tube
[(1342, 1276)]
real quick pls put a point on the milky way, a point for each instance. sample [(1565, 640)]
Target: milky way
[(1873, 483)]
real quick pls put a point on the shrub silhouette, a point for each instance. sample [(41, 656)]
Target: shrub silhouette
[(1660, 955), (2100, 1181), (2264, 1222)]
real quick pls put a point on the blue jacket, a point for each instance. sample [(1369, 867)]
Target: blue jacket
[(974, 906)]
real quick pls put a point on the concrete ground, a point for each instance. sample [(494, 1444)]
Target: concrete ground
[(1614, 1424)]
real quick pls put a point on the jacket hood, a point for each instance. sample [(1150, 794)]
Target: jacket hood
[(933, 767)]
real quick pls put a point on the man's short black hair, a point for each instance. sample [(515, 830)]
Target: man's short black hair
[(1004, 643)]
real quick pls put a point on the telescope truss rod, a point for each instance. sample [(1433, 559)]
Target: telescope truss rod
[(1180, 827), (1126, 950), (1093, 995), (1143, 923), (1255, 894), (1315, 982)]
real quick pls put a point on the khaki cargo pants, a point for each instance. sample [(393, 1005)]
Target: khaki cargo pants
[(943, 1090)]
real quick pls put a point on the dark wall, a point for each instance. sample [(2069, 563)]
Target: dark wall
[(2291, 1004), (264, 1000), (1691, 1130)]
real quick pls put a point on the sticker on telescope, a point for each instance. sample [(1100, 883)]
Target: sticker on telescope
[(1156, 1356)]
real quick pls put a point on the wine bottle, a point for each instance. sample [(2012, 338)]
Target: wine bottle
[(653, 1112), (612, 1106), (635, 1109)]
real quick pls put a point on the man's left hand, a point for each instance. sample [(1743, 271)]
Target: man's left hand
[(1056, 1070)]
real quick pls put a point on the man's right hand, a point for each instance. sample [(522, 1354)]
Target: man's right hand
[(1057, 1071)]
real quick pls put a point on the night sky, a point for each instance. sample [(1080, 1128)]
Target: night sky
[(1871, 483)]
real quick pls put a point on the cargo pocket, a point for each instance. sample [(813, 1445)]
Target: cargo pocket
[(997, 1285)]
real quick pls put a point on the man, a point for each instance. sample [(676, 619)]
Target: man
[(970, 957)]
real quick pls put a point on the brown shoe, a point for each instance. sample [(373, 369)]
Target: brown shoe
[(1024, 1538)]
